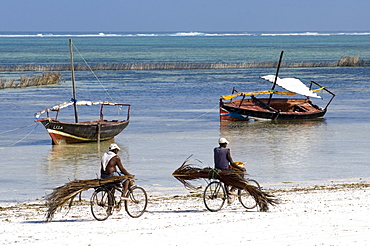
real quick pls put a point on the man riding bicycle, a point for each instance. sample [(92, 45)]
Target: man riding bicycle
[(110, 160), (223, 160)]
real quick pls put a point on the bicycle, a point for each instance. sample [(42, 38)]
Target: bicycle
[(103, 201), (216, 193)]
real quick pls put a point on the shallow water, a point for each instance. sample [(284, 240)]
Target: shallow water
[(174, 115)]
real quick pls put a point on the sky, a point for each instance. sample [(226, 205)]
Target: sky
[(184, 15)]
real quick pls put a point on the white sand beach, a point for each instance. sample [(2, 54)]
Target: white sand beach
[(321, 215)]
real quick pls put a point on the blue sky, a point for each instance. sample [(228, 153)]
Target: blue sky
[(184, 15)]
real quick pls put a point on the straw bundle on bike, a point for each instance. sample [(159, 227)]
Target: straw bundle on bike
[(69, 191), (190, 172), (231, 177), (235, 179)]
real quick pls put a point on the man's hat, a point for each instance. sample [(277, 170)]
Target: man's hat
[(114, 146), (222, 141)]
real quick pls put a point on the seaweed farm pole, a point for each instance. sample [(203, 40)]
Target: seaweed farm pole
[(276, 76), (73, 80), (99, 127)]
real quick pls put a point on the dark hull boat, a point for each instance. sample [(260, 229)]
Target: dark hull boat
[(87, 131), (236, 107)]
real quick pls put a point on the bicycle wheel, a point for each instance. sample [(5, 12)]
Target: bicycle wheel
[(214, 196), (245, 198), (101, 203), (137, 202)]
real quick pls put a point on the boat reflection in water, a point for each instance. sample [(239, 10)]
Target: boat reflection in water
[(78, 161), (274, 149)]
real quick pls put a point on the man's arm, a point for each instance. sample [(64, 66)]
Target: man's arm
[(120, 166), (228, 156)]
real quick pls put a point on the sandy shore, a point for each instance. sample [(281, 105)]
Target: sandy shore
[(321, 215)]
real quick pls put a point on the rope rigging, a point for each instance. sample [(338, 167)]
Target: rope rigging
[(18, 128), (25, 136), (192, 119), (106, 91)]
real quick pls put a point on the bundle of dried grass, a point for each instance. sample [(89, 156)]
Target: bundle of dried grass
[(233, 178), (61, 195)]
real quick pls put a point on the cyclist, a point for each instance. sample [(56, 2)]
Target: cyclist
[(223, 160), (110, 160)]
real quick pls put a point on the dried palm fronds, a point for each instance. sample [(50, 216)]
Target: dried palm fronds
[(69, 191), (189, 172), (233, 178), (237, 180)]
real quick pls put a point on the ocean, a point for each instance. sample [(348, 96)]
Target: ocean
[(174, 113)]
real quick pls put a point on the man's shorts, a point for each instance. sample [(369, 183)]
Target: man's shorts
[(109, 175)]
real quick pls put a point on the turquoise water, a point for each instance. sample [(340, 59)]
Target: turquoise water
[(175, 112), (179, 47)]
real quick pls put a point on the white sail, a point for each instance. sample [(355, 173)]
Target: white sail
[(293, 85)]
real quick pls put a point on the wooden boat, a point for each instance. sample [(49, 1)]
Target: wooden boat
[(87, 131), (236, 107)]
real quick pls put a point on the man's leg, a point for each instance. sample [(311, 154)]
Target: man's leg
[(125, 189)]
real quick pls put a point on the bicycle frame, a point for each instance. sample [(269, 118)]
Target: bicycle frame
[(103, 201), (216, 193)]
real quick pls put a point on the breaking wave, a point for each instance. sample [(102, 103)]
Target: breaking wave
[(180, 34)]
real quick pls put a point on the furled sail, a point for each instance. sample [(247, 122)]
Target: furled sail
[(78, 103), (293, 85)]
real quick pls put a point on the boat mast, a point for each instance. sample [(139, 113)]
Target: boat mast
[(73, 80), (276, 76)]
